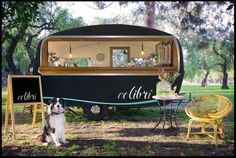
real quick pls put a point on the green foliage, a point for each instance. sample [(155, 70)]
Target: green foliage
[(75, 148), (4, 62), (29, 19), (91, 151), (222, 51), (63, 153), (63, 20), (18, 15), (109, 148), (197, 23), (193, 56), (22, 58)]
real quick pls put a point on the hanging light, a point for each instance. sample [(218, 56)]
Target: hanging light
[(70, 55), (142, 52)]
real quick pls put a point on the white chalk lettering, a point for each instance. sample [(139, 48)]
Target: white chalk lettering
[(135, 93), (27, 96)]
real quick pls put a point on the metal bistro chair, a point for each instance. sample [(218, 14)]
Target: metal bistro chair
[(208, 109)]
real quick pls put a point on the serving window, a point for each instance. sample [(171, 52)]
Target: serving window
[(133, 55)]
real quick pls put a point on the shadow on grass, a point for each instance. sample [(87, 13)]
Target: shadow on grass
[(21, 118), (141, 115), (140, 132), (98, 147)]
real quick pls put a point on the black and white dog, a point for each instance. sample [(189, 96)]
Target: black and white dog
[(54, 127)]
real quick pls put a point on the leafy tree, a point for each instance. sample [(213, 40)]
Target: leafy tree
[(220, 34), (150, 8), (50, 20), (63, 20), (206, 63), (45, 16), (223, 52), (207, 21), (193, 57), (17, 17)]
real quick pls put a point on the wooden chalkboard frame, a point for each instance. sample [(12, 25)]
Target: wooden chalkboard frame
[(25, 76), (10, 103)]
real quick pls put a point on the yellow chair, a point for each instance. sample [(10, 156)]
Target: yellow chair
[(208, 109)]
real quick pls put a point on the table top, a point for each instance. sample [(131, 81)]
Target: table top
[(178, 97)]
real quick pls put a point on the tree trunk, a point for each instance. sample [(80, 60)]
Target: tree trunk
[(225, 76), (30, 52), (204, 81), (150, 13), (9, 56), (28, 44)]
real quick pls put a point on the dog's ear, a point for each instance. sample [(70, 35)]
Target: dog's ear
[(49, 102), (49, 106), (63, 102)]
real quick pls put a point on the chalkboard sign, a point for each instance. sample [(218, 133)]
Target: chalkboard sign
[(23, 90), (26, 89)]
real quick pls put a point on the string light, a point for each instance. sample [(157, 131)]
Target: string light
[(70, 55), (142, 52)]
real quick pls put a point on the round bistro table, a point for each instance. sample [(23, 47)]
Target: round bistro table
[(167, 114)]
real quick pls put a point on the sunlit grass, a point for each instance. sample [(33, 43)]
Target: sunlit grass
[(197, 90)]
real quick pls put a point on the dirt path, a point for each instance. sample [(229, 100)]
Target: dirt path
[(117, 138)]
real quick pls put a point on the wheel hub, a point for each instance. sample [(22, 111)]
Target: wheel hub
[(95, 109)]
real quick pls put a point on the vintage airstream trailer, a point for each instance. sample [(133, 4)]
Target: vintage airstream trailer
[(107, 65)]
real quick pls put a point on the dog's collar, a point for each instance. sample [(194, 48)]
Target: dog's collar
[(55, 113)]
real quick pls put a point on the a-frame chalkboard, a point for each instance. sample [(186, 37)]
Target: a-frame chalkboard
[(23, 90)]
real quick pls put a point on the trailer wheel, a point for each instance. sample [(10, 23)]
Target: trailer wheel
[(95, 112)]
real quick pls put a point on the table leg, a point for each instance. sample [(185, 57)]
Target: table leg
[(171, 115), (158, 122), (164, 121), (160, 117), (175, 115)]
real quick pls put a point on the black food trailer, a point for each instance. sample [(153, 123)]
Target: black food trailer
[(97, 66)]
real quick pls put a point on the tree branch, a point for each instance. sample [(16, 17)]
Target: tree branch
[(43, 25), (136, 18), (167, 15), (219, 64), (98, 7), (215, 51)]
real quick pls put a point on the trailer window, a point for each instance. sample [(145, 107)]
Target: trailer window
[(130, 55), (109, 54)]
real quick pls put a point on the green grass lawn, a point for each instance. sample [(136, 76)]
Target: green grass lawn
[(197, 90)]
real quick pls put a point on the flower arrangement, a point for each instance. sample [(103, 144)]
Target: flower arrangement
[(163, 88), (169, 77)]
